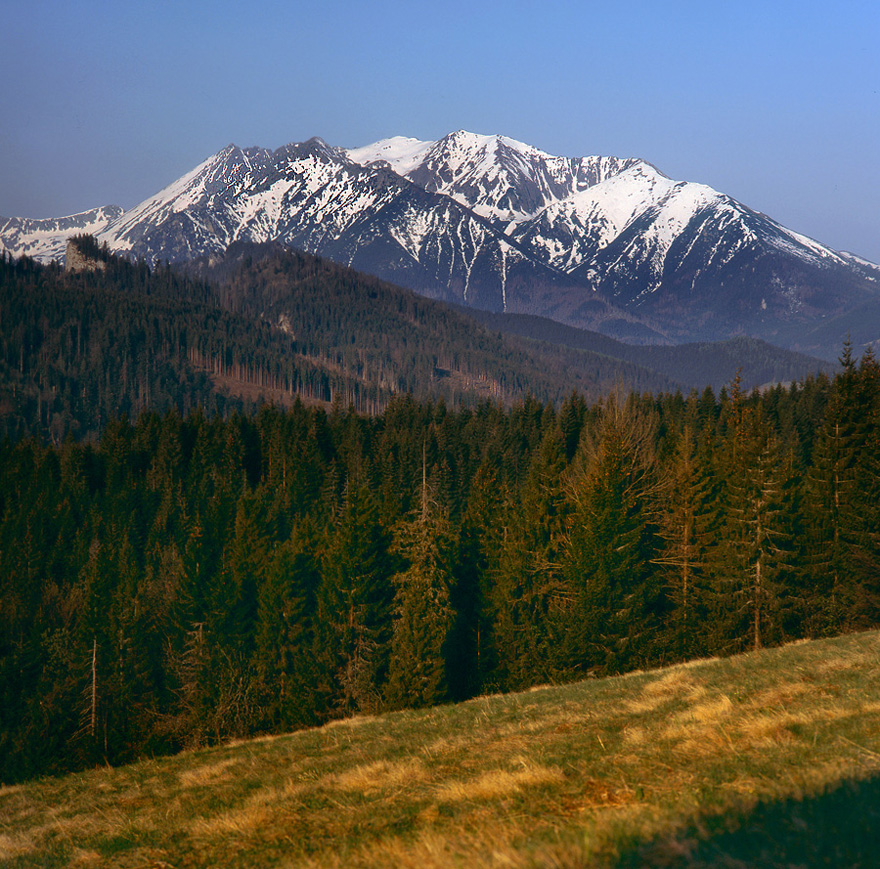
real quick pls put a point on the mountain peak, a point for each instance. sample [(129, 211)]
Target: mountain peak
[(494, 223), (402, 153), (468, 139), (464, 143), (314, 147), (317, 144)]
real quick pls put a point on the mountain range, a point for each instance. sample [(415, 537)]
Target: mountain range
[(602, 243)]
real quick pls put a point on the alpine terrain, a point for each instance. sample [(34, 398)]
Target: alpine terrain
[(604, 243)]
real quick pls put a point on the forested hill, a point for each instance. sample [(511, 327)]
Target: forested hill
[(78, 348), (402, 340), (693, 366), (184, 579), (266, 324), (327, 301)]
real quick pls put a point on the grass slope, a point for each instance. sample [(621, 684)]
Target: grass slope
[(766, 759)]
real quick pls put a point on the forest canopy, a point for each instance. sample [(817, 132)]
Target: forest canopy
[(184, 578)]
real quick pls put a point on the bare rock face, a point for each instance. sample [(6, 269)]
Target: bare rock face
[(77, 260)]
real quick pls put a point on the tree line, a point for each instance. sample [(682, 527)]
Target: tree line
[(188, 578)]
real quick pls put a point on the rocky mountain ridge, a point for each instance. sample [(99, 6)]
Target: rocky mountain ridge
[(605, 243)]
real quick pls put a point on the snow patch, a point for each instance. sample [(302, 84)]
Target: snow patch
[(401, 153)]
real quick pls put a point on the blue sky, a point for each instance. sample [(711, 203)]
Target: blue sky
[(773, 103)]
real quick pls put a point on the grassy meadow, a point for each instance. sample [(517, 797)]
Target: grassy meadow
[(770, 758)]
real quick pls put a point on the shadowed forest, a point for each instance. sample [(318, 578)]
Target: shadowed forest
[(184, 579), (78, 348)]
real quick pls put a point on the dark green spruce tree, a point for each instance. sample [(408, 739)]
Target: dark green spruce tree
[(423, 613), (354, 605), (531, 601), (618, 601), (685, 525)]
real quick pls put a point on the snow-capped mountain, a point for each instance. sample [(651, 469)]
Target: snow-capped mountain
[(693, 261), (314, 197), (46, 240), (498, 178), (600, 242)]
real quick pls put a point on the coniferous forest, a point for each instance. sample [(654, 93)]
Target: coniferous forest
[(182, 579), (181, 562), (79, 347)]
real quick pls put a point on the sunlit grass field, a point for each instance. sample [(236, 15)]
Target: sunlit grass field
[(770, 758)]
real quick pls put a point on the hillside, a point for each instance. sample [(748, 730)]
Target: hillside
[(383, 332), (77, 349), (371, 321), (158, 584), (263, 323), (692, 366), (183, 580), (701, 764)]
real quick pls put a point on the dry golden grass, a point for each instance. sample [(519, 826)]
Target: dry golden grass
[(237, 822), (447, 745), (676, 684), (497, 783), (557, 776), (209, 774), (85, 858), (381, 774), (432, 847), (676, 681), (712, 710), (16, 845), (352, 723)]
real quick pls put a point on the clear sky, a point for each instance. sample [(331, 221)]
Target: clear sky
[(774, 102)]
